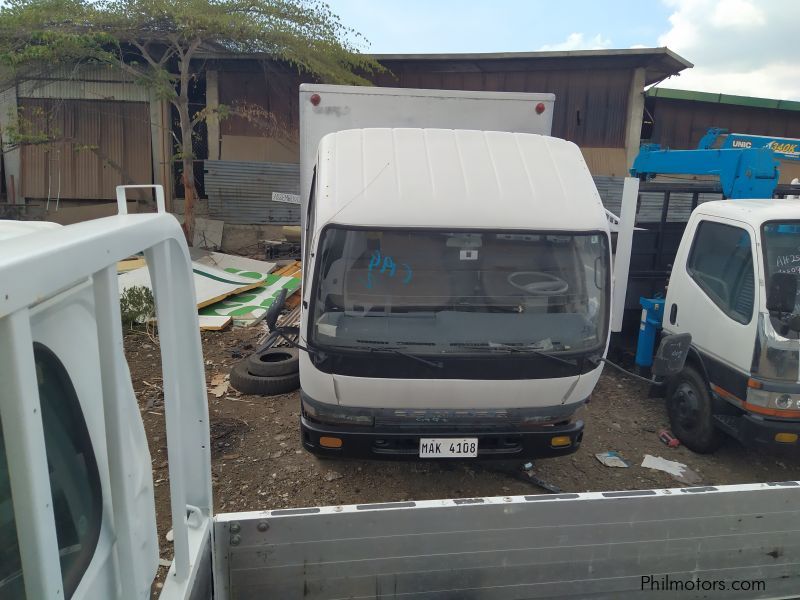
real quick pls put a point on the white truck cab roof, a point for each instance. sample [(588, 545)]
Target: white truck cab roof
[(453, 178), (754, 212)]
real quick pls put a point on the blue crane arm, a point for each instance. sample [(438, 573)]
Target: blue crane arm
[(742, 172)]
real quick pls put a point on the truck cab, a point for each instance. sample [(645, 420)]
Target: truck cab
[(734, 287), (458, 297)]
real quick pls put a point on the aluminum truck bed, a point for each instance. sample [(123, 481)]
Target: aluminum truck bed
[(593, 545)]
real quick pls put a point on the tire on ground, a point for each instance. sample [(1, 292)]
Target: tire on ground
[(691, 418), (247, 383), (273, 362)]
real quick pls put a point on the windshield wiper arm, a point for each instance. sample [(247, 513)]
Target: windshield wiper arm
[(377, 349), (399, 352), (529, 350)]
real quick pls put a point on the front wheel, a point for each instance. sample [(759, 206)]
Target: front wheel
[(690, 414)]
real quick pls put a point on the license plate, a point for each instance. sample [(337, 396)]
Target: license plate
[(448, 447)]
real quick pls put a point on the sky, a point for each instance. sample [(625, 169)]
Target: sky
[(737, 46)]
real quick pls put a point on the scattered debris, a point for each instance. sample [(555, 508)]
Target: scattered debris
[(130, 263), (611, 459), (526, 474), (208, 233), (332, 476), (678, 470), (220, 390), (170, 537), (211, 284), (670, 440), (250, 307), (213, 323)]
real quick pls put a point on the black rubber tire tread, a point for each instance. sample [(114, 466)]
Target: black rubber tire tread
[(256, 365), (247, 383), (704, 437)]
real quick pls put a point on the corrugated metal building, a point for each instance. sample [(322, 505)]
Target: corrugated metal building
[(599, 95), (101, 130), (678, 119)]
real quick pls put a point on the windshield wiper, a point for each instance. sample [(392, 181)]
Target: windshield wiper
[(377, 349), (529, 350), (399, 352)]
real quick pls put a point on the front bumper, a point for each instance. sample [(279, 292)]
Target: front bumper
[(384, 443), (752, 430)]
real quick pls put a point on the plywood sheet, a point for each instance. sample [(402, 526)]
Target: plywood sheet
[(241, 265), (210, 284), (251, 307), (213, 323)]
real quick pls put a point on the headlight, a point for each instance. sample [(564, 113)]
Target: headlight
[(336, 416), (773, 400)]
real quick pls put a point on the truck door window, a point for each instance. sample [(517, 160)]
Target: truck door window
[(721, 262), (74, 482)]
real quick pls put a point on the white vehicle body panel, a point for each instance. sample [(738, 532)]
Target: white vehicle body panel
[(355, 107), (455, 179), (713, 332), (444, 393)]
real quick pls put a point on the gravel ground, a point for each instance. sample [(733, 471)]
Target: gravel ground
[(258, 461)]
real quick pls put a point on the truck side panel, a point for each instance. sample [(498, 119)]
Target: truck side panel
[(594, 545)]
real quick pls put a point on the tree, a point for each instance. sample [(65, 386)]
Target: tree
[(158, 42)]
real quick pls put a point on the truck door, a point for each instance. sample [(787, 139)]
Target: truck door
[(74, 482), (712, 296)]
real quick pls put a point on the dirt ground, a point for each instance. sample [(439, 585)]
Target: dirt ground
[(258, 461)]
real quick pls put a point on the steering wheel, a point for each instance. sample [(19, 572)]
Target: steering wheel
[(538, 283)]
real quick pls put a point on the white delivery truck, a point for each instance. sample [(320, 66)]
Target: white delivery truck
[(77, 517), (457, 268), (450, 310), (457, 276)]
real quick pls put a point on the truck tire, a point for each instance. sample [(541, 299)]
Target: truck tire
[(273, 362), (689, 408), (248, 383)]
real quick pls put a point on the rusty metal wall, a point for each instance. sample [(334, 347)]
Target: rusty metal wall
[(681, 123), (241, 192), (99, 145), (591, 102)]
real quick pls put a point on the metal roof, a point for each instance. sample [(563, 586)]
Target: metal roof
[(659, 63), (450, 178), (750, 101)]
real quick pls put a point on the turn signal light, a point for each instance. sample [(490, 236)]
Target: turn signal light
[(330, 442), (560, 441), (786, 438)]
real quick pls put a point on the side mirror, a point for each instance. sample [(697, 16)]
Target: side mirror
[(671, 354), (275, 310), (782, 293)]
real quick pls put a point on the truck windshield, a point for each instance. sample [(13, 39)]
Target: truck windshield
[(777, 346), (782, 248), (446, 292)]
